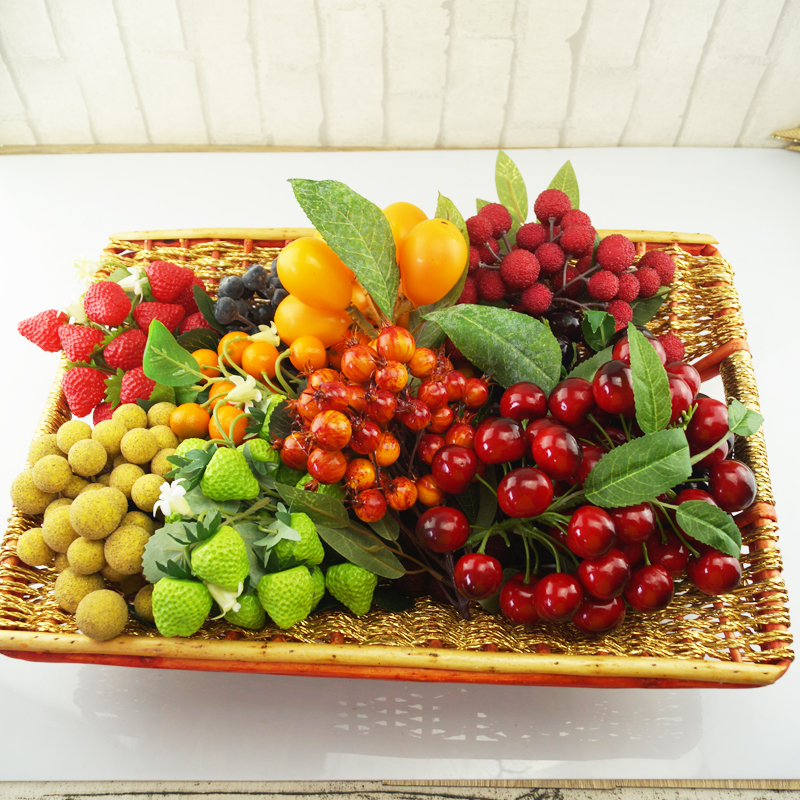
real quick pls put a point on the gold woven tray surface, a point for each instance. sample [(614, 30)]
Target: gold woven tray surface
[(746, 626)]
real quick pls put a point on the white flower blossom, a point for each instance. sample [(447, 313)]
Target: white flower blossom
[(133, 283), (244, 391), (172, 500), (85, 271), (76, 312), (226, 600), (267, 333)]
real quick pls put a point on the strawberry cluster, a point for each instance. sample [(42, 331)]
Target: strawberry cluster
[(558, 261), (106, 348)]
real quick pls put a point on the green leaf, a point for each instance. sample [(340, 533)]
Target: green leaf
[(511, 347), (488, 500), (279, 420), (251, 533), (598, 328), (640, 470), (184, 394), (645, 309), (119, 274), (586, 369), (389, 599), (162, 394), (362, 549), (479, 204), (386, 527), (322, 508), (205, 305), (161, 548), (469, 500), (567, 182), (358, 232), (511, 189), (199, 339), (650, 383), (165, 361), (710, 525), (743, 421)]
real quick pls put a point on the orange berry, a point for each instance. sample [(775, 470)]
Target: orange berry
[(308, 353), (226, 415), (189, 420), (260, 357), (235, 342), (219, 388), (208, 361)]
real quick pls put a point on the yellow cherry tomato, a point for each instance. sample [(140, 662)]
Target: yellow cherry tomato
[(432, 258), (313, 273), (403, 217), (294, 318)]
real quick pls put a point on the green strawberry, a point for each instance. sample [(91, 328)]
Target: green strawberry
[(180, 607), (260, 451), (250, 614), (287, 596), (331, 489), (190, 444), (227, 477), (306, 551), (318, 585), (222, 559), (351, 585)]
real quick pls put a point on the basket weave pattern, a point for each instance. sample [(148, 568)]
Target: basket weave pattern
[(748, 625)]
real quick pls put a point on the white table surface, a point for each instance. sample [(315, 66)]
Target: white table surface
[(72, 722)]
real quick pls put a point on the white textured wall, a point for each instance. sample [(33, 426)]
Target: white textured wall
[(398, 73)]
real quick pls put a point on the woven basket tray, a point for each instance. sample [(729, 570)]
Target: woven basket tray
[(740, 639)]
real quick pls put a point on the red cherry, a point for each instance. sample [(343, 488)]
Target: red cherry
[(557, 596), (525, 492), (709, 423), (612, 387), (680, 395), (523, 402), (591, 454), (571, 401), (556, 452), (456, 385), (453, 467), (443, 529), (649, 589), (687, 373), (461, 433), (693, 494), (633, 524), (499, 440), (476, 393), (590, 532), (516, 600), (622, 349), (599, 616), (370, 505), (429, 444), (366, 437), (433, 394), (732, 485), (478, 576), (670, 552), (416, 416), (714, 572), (606, 576)]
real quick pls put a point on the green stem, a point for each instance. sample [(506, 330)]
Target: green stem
[(279, 374), (602, 430), (701, 456), (487, 485), (625, 428)]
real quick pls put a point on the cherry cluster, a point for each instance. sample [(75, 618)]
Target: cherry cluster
[(555, 264)]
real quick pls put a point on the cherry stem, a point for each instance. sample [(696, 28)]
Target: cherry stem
[(675, 527), (701, 456), (625, 427), (602, 430), (487, 485), (579, 305), (505, 241)]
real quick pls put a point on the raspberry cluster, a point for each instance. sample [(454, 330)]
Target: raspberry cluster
[(552, 264)]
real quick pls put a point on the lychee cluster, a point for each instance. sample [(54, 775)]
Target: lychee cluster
[(554, 262)]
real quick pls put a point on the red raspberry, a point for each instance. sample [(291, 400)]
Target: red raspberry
[(126, 350), (186, 297), (663, 263), (628, 287), (603, 285), (584, 263), (480, 230), (577, 239), (573, 289), (474, 260), (168, 313), (84, 388), (167, 280), (551, 203), (551, 257), (102, 412), (489, 252), (531, 235), (490, 285), (79, 341), (42, 329), (649, 282), (575, 217), (622, 313), (135, 386), (616, 253), (193, 321), (498, 215), (519, 269), (106, 303), (469, 294), (536, 299), (673, 347)]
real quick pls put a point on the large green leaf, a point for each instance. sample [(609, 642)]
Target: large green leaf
[(358, 232), (646, 308), (586, 369), (710, 525), (511, 189), (640, 470), (165, 361), (363, 550), (743, 421), (650, 384), (322, 508), (567, 182), (509, 346)]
